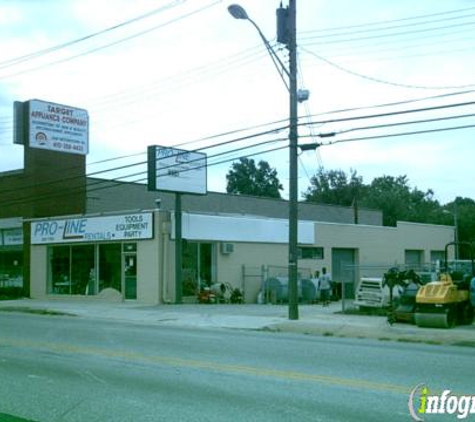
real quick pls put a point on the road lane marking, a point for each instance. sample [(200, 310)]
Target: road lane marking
[(208, 365)]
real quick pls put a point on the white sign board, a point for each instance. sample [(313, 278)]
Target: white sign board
[(13, 237), (177, 170), (242, 229), (58, 127), (93, 229)]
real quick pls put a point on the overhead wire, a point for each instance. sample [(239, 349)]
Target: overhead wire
[(363, 31), (94, 50), (109, 181), (380, 22), (392, 135), (284, 139), (383, 81), (88, 189), (48, 50), (395, 34)]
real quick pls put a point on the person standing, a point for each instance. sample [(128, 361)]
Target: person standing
[(325, 287), (316, 282)]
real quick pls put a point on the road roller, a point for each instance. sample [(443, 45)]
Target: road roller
[(446, 302)]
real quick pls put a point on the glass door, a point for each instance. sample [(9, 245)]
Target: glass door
[(130, 275)]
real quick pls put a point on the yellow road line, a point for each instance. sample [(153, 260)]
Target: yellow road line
[(208, 365)]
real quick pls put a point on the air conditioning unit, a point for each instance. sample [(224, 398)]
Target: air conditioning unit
[(227, 248)]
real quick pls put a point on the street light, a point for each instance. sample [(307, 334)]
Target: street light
[(239, 13)]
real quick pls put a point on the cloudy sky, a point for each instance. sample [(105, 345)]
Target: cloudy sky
[(186, 73)]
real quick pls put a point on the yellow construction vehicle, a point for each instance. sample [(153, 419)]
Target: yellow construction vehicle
[(446, 302)]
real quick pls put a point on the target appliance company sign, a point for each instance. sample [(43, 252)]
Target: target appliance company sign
[(58, 127)]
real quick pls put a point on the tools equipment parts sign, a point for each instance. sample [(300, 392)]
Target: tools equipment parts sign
[(58, 127), (92, 229)]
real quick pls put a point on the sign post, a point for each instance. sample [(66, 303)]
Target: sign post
[(178, 249), (178, 171)]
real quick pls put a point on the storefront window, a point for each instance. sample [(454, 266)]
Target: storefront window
[(60, 270), (198, 267), (11, 268), (73, 269), (82, 269), (110, 266)]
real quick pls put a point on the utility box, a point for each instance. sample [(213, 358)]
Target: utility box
[(283, 25)]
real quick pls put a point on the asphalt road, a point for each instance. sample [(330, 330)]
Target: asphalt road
[(55, 368)]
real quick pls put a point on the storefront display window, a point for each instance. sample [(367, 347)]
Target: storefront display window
[(198, 267), (89, 269), (110, 268), (11, 268), (60, 270)]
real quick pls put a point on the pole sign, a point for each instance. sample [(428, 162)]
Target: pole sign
[(177, 170), (93, 229), (57, 127)]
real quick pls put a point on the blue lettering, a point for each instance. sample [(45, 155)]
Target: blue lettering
[(46, 228), (74, 228)]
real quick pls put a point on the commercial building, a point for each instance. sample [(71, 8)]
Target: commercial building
[(122, 246), (65, 234)]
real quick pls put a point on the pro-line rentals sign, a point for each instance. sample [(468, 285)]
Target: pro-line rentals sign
[(58, 127), (91, 229), (422, 403)]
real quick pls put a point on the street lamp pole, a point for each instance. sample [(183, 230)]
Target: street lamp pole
[(293, 169), (239, 13)]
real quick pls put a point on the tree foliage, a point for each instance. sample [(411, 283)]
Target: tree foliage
[(244, 177), (334, 187), (399, 201), (392, 195)]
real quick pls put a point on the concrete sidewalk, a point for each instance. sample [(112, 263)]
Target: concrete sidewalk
[(314, 319)]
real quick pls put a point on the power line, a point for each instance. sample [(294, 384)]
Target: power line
[(363, 31), (382, 81), (39, 53), (411, 122), (390, 21), (94, 50), (87, 190), (348, 51), (70, 178), (396, 34), (261, 152), (392, 135)]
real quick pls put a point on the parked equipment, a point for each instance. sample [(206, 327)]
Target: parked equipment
[(446, 302), (406, 307), (371, 293), (276, 289)]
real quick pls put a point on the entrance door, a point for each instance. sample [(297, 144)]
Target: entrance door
[(343, 270), (130, 275)]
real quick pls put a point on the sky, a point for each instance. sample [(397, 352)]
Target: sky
[(187, 74)]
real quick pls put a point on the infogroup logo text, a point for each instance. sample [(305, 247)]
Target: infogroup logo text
[(422, 403)]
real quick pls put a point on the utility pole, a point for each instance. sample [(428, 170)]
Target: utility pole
[(293, 169), (286, 34)]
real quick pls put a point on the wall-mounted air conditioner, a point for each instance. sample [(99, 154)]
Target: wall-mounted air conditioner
[(226, 248)]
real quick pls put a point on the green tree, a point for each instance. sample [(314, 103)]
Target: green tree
[(245, 178), (392, 195), (464, 209), (400, 202), (335, 187)]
